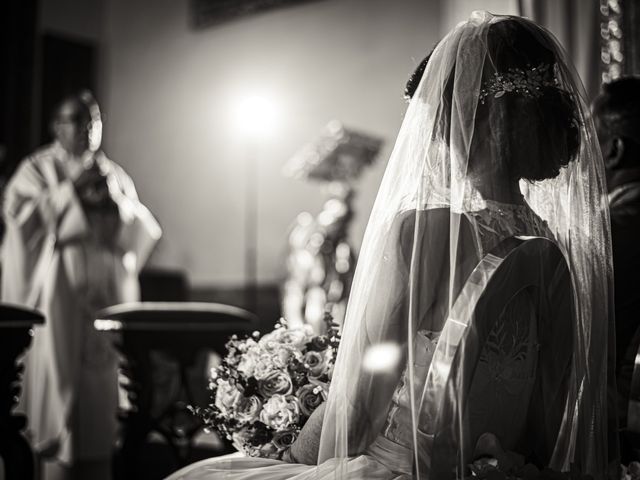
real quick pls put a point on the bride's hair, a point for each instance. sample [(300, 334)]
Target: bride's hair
[(540, 134), (533, 136)]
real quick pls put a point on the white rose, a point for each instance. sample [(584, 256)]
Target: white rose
[(281, 355), (228, 397), (268, 338), (270, 346), (280, 412), (247, 363), (297, 338), (264, 366)]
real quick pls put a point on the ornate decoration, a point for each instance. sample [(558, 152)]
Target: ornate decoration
[(612, 45), (526, 82)]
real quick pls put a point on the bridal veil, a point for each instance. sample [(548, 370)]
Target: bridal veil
[(499, 114)]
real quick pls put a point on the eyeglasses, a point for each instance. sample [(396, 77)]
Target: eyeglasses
[(78, 120)]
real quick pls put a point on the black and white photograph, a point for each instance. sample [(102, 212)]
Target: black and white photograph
[(320, 240)]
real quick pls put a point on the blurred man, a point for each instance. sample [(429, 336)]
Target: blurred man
[(76, 238), (617, 118)]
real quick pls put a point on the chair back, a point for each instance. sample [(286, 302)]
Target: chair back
[(501, 365)]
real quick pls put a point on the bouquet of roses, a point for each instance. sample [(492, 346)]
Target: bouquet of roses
[(266, 387)]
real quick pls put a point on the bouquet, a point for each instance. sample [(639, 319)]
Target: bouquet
[(265, 388)]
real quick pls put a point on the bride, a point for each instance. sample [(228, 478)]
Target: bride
[(496, 147)]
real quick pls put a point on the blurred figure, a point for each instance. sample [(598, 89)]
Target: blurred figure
[(76, 238), (320, 263), (320, 260), (617, 119)]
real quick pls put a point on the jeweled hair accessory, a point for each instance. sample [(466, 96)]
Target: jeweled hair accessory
[(526, 82)]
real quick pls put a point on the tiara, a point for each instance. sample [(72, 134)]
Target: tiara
[(526, 82)]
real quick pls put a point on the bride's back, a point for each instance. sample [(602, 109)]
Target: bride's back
[(442, 296)]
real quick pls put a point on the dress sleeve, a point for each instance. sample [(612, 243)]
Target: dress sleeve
[(37, 213), (34, 205), (139, 231)]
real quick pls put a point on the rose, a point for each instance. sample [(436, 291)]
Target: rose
[(270, 342), (284, 354), (264, 365), (297, 337), (275, 382), (283, 440), (280, 357), (248, 409), (227, 397), (315, 362), (270, 345), (280, 412), (248, 361), (310, 397)]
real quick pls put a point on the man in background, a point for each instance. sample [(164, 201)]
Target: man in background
[(76, 238), (617, 118)]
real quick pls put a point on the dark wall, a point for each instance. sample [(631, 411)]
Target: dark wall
[(19, 56), (68, 66)]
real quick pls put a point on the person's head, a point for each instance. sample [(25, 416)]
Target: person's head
[(76, 123), (414, 79), (616, 113), (519, 133)]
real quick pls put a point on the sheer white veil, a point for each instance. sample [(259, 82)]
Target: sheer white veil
[(419, 244)]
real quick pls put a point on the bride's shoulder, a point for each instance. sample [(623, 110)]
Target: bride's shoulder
[(431, 220), (408, 218), (432, 226)]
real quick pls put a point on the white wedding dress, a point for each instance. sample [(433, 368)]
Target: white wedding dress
[(390, 456)]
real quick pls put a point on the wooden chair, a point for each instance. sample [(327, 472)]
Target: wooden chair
[(16, 325), (161, 342), (502, 359), (630, 436)]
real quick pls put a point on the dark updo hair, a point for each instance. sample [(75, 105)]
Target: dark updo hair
[(541, 135), (414, 80), (533, 137)]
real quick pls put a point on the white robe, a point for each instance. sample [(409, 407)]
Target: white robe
[(53, 260)]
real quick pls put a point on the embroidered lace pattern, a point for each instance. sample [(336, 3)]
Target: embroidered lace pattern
[(496, 221)]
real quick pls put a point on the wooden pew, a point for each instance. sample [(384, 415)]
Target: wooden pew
[(16, 323)]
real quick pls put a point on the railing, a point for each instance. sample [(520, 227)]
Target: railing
[(170, 339)]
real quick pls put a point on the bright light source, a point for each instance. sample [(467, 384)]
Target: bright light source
[(255, 115), (382, 357)]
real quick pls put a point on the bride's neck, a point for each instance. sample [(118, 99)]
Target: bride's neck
[(493, 183), (500, 191)]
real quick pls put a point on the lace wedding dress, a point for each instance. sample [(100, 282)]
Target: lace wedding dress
[(390, 456)]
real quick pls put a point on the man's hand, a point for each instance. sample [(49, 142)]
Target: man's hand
[(101, 209), (91, 186)]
